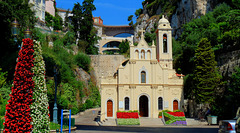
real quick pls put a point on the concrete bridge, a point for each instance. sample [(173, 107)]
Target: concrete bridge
[(109, 41)]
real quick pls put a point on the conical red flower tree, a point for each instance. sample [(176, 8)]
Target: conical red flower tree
[(17, 117)]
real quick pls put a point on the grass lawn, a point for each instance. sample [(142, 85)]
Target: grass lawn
[(128, 121)]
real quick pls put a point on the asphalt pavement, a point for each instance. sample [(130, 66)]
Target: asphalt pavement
[(88, 122)]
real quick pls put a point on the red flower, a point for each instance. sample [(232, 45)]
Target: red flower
[(17, 118)]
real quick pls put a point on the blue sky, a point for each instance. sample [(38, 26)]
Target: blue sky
[(113, 12)]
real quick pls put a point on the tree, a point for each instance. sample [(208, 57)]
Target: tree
[(124, 46), (138, 12), (130, 19), (10, 9), (206, 77), (77, 19), (39, 107), (83, 24)]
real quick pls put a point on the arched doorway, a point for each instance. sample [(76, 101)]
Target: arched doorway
[(175, 105), (143, 106), (109, 108)]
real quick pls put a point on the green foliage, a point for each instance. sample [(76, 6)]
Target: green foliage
[(230, 94), (124, 47), (131, 121), (10, 9), (206, 77), (3, 78), (89, 104), (83, 61), (54, 126), (1, 123), (55, 22), (138, 12), (149, 37), (130, 18), (83, 25)]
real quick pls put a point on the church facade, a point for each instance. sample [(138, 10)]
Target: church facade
[(147, 81)]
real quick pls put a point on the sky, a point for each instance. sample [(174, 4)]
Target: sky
[(112, 12)]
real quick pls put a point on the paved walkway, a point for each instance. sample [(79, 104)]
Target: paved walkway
[(89, 117)]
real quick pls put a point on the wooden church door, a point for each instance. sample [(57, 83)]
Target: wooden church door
[(109, 108), (175, 105)]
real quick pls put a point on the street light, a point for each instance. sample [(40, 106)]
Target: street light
[(55, 109), (15, 30), (28, 34)]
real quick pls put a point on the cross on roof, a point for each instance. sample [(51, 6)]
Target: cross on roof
[(142, 31)]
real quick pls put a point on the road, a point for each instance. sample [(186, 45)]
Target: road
[(86, 123), (125, 129)]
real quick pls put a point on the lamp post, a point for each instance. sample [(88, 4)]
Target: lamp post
[(15, 30), (27, 33), (55, 109)]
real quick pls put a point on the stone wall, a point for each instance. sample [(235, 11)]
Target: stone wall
[(105, 65)]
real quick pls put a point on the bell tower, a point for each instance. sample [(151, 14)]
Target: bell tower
[(164, 43)]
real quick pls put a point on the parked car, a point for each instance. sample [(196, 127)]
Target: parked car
[(237, 126), (228, 126)]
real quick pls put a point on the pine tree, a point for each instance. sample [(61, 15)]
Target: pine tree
[(39, 107), (206, 77)]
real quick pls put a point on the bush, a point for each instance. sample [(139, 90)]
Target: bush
[(89, 104), (83, 61), (54, 126), (1, 123)]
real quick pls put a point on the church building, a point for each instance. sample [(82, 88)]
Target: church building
[(147, 81)]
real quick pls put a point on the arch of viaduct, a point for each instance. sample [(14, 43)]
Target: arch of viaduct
[(108, 33)]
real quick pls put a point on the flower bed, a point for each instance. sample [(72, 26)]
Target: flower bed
[(127, 115), (130, 121), (174, 118), (128, 118)]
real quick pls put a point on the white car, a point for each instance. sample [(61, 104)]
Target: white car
[(228, 126)]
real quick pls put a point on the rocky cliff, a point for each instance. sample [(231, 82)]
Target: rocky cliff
[(182, 12)]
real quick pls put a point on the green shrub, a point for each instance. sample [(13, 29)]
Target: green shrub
[(54, 126), (129, 111), (89, 104), (128, 121), (83, 61), (1, 123)]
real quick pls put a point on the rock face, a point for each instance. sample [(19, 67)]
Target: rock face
[(188, 10), (82, 75), (185, 12), (227, 62), (105, 65)]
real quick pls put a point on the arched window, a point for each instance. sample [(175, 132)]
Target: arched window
[(160, 103), (148, 54), (126, 101), (143, 77), (165, 47), (142, 54), (136, 54)]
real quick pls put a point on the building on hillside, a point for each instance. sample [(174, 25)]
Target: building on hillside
[(98, 20), (147, 81), (50, 7), (62, 14), (39, 7)]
